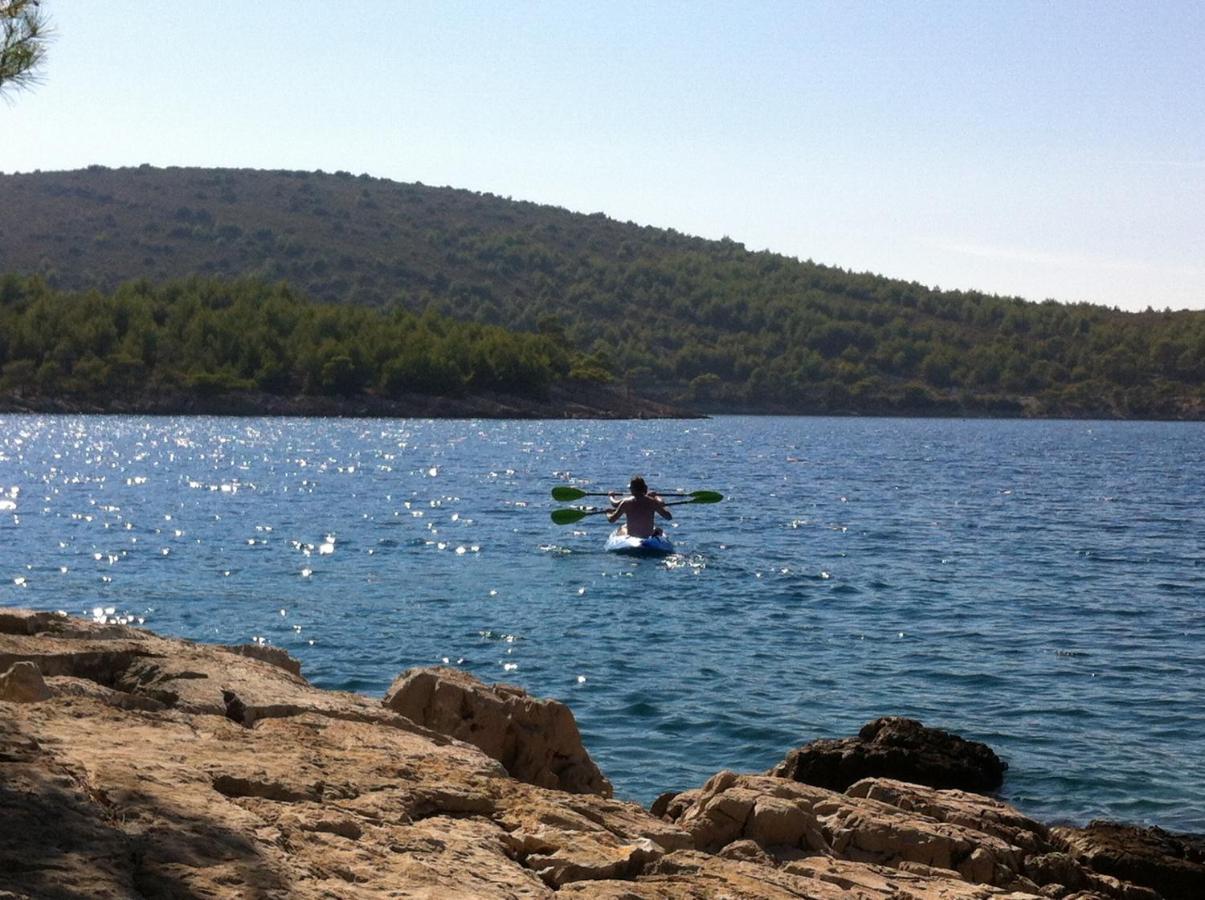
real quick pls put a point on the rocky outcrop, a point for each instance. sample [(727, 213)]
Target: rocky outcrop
[(1172, 864), (889, 825), (268, 654), (23, 683), (898, 748), (161, 768), (536, 740)]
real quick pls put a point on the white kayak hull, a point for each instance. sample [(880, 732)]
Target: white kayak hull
[(619, 541)]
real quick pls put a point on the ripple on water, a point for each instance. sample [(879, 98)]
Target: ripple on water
[(955, 570)]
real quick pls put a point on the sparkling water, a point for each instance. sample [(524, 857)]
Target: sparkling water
[(1039, 586)]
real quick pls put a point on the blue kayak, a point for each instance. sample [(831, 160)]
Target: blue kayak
[(619, 541)]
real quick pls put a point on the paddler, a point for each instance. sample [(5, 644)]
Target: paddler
[(639, 508)]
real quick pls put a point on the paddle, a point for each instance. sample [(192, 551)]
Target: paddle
[(569, 516), (566, 494)]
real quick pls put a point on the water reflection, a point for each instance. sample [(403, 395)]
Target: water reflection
[(1011, 581)]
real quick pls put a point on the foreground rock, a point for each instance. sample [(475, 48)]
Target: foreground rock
[(1172, 864), (898, 748), (147, 767), (887, 824), (536, 740), (23, 683)]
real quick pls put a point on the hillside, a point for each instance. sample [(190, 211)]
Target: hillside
[(705, 323)]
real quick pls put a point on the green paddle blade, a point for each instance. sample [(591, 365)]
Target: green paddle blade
[(705, 497), (567, 494), (569, 516)]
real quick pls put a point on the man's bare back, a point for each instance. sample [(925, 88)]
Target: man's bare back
[(640, 509)]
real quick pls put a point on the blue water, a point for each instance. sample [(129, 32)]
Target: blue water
[(1036, 585)]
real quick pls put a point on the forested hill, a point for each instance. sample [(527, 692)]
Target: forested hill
[(706, 323)]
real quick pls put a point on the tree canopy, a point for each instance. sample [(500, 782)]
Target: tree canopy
[(23, 36), (706, 324), (210, 336)]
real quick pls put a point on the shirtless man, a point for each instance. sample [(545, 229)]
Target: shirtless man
[(639, 509)]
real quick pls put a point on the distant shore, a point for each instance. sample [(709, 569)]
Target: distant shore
[(576, 402)]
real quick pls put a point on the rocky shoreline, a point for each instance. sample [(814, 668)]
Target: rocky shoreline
[(564, 401), (133, 765)]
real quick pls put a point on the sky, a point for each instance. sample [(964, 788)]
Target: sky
[(1044, 150)]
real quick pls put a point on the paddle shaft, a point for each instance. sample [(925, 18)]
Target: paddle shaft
[(577, 493), (567, 494), (569, 516)]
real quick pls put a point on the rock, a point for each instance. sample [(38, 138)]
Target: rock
[(749, 851), (65, 686), (967, 809), (181, 675), (536, 740), (25, 621), (898, 748), (165, 768), (23, 683), (1171, 864), (944, 835), (1057, 869), (661, 804), (672, 804), (906, 881), (776, 813), (272, 655), (599, 862), (700, 875)]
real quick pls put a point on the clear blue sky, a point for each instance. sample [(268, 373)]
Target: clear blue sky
[(1051, 149)]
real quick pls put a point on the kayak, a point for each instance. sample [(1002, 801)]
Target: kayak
[(619, 541)]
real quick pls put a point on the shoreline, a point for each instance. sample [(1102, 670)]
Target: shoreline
[(597, 402), (562, 402), (141, 765)]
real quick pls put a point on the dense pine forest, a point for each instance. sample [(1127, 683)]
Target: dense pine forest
[(320, 284), (213, 336)]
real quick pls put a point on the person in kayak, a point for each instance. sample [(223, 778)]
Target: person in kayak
[(639, 508)]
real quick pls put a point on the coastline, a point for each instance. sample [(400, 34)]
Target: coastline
[(579, 401), (139, 765)]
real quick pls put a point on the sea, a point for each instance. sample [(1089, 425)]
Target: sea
[(1035, 585)]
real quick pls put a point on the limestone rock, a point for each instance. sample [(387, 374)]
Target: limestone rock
[(949, 836), (536, 740), (778, 813), (905, 881), (1171, 864), (898, 748), (967, 809), (23, 683), (165, 768), (26, 621), (273, 655)]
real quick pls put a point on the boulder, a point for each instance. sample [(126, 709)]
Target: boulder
[(23, 683), (970, 810), (897, 748), (26, 621), (947, 836), (1169, 863), (536, 740), (783, 815), (272, 655)]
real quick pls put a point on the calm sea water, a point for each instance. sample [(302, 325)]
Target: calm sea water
[(1039, 586)]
